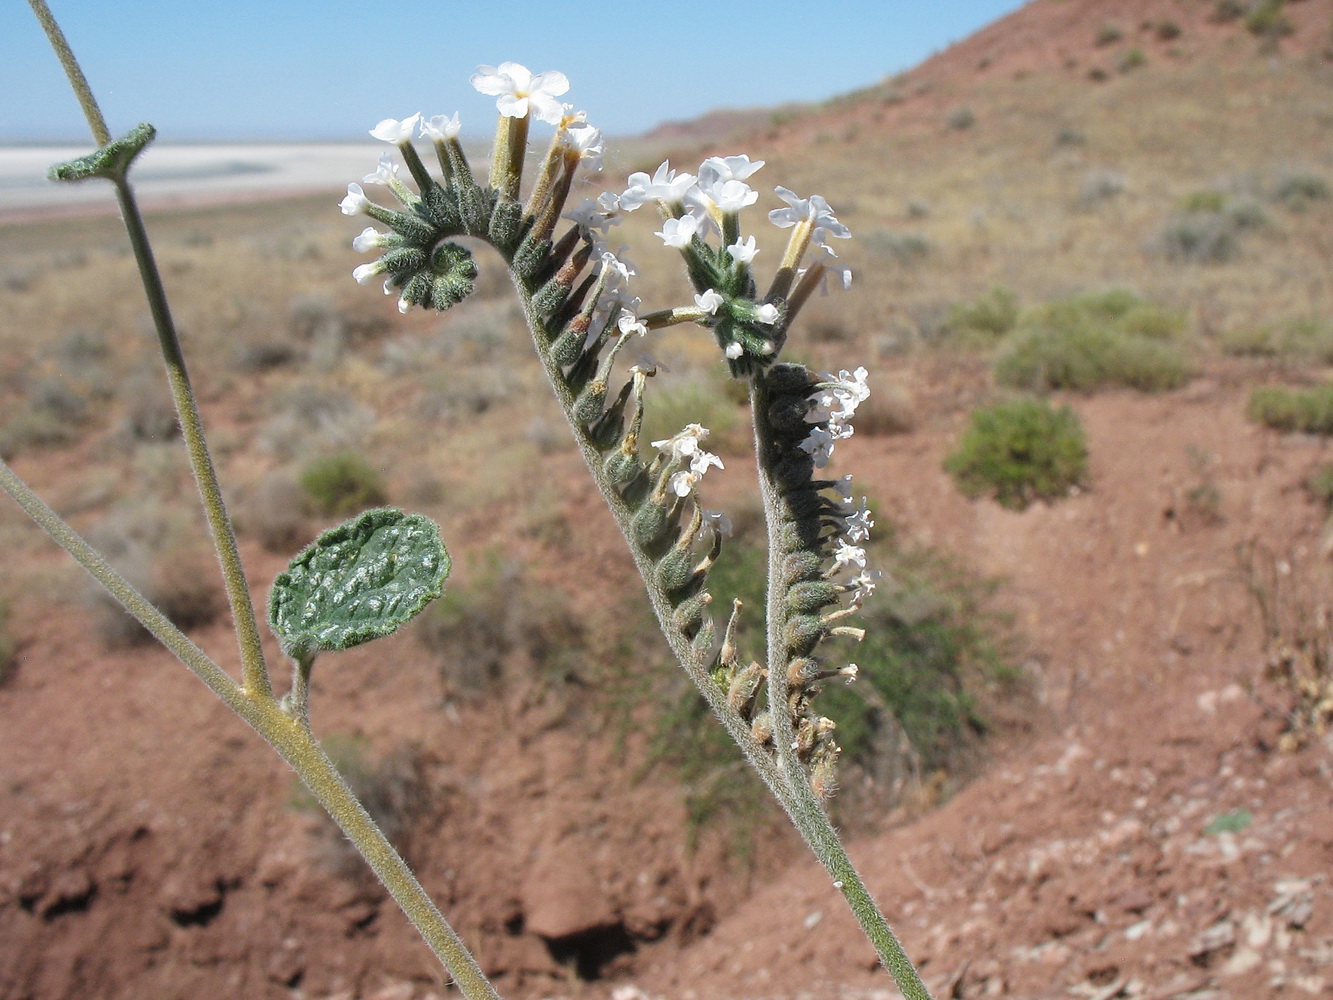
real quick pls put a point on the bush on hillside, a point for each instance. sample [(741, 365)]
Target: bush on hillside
[(1088, 341), (1309, 411), (1019, 451)]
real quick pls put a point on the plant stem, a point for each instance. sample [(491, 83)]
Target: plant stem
[(290, 737), (73, 71), (254, 669), (802, 805)]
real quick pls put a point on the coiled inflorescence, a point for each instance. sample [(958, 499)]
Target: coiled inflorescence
[(579, 304)]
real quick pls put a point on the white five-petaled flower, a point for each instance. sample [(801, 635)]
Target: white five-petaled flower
[(863, 585), (710, 301), (665, 185), (385, 171), (727, 168), (519, 92), (396, 130), (356, 201), (814, 210), (440, 128), (678, 233), (858, 523), (743, 251), (767, 314), (839, 395), (818, 444), (846, 554)]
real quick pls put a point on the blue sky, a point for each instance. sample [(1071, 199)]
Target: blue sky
[(330, 70)]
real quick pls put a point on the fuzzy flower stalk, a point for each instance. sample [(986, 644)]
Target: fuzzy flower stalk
[(578, 296)]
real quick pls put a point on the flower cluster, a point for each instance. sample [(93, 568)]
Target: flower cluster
[(701, 219), (579, 299)]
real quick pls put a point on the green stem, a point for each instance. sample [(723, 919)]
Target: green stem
[(254, 669), (802, 805), (122, 590), (289, 736), (73, 71)]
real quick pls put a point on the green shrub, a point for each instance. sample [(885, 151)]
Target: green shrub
[(1298, 190), (343, 484), (932, 648), (1132, 60), (1306, 339), (1019, 451), (1199, 238), (1087, 341), (1205, 200), (1268, 20), (985, 319), (500, 627), (1320, 485), (961, 118), (1307, 410), (1109, 33), (700, 400)]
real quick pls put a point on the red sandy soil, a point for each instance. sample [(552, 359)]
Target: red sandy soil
[(149, 848)]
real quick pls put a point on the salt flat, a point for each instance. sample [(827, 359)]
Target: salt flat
[(177, 174)]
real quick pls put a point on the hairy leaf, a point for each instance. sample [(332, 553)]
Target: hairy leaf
[(358, 581)]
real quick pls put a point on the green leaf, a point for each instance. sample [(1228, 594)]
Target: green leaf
[(358, 581), (112, 161)]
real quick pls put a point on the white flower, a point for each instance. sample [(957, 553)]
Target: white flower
[(385, 172), (701, 461), (440, 128), (767, 314), (847, 554), (665, 185), (839, 395), (684, 443), (710, 301), (742, 252), (356, 201), (617, 272), (719, 522), (818, 444), (369, 239), (519, 93), (734, 350), (850, 671), (678, 233), (629, 323), (858, 523), (683, 482), (727, 168), (586, 141), (814, 210), (863, 585), (394, 130), (365, 272), (729, 196)]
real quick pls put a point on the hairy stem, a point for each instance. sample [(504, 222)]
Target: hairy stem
[(290, 737), (73, 71), (804, 808), (253, 666)]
